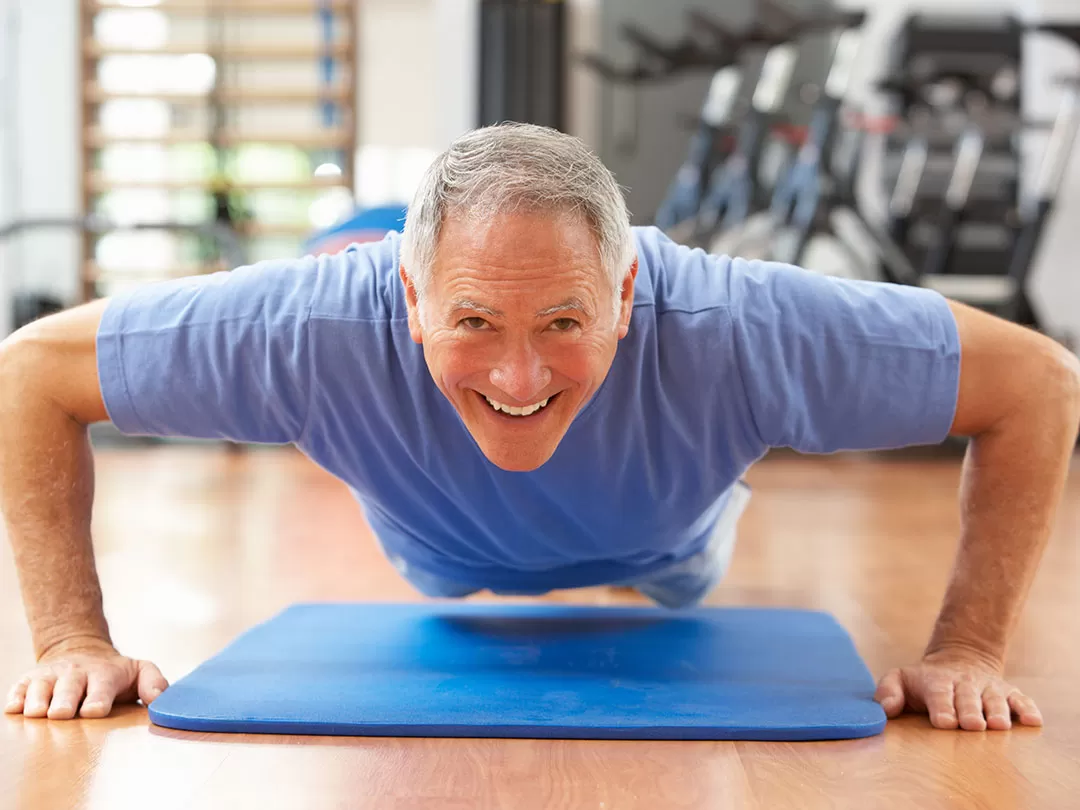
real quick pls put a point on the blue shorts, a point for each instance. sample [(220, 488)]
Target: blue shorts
[(682, 585)]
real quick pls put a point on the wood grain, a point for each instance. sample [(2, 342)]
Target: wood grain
[(196, 544)]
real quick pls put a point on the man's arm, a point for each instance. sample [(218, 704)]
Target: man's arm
[(1019, 401), (49, 393), (48, 396)]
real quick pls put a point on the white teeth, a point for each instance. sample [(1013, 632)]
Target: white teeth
[(527, 411)]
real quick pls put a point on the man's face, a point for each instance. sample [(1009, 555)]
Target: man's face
[(520, 313)]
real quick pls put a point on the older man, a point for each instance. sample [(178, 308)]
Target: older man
[(463, 380)]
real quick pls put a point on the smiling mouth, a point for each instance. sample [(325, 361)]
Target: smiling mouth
[(511, 412)]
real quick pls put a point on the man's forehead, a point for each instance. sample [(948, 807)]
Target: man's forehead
[(529, 246)]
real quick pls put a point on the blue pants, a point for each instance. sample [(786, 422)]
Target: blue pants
[(683, 584)]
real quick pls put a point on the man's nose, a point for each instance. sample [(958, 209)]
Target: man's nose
[(521, 373)]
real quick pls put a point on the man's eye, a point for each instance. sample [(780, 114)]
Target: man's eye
[(474, 323), (563, 324)]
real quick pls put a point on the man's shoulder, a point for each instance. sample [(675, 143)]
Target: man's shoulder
[(673, 277), (360, 282), (676, 278)]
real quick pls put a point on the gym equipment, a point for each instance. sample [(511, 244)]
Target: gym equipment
[(980, 50), (1036, 208), (535, 671), (965, 175), (708, 45), (1034, 211), (988, 197), (711, 45), (820, 180), (522, 62), (719, 183), (733, 191), (944, 61), (797, 194), (911, 170), (707, 147), (657, 61), (969, 151), (807, 195), (942, 199)]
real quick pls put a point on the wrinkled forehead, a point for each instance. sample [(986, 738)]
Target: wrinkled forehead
[(527, 245)]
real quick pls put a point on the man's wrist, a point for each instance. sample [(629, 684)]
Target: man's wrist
[(971, 623), (74, 643), (956, 647)]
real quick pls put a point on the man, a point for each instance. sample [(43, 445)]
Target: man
[(463, 380)]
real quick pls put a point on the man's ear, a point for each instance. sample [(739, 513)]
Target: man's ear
[(626, 303), (412, 301)]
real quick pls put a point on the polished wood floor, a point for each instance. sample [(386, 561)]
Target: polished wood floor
[(196, 545)]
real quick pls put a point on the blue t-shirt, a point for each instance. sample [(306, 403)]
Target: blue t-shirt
[(724, 359)]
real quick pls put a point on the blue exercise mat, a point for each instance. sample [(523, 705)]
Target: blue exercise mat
[(504, 670)]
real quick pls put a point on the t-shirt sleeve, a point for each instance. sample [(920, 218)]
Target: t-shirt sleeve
[(830, 364), (218, 356)]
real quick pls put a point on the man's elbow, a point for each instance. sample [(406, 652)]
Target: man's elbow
[(1059, 386), (12, 360), (53, 361), (20, 363)]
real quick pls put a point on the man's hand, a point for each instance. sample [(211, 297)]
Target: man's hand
[(94, 670), (956, 688)]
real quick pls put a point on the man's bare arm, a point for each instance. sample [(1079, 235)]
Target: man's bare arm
[(1019, 401), (49, 394)]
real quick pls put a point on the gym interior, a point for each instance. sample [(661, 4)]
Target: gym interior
[(925, 145)]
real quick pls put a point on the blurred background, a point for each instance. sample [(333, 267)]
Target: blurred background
[(921, 143)]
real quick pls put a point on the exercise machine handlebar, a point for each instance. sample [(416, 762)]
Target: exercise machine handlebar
[(774, 26)]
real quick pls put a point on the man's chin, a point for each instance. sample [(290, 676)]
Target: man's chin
[(520, 456), (511, 460)]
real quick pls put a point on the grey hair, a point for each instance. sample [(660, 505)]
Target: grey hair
[(517, 167)]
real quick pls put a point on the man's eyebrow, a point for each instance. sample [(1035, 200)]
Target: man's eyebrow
[(465, 303), (568, 304)]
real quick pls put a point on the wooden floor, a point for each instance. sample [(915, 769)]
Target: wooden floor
[(196, 545)]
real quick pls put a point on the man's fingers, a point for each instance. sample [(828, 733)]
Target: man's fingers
[(969, 705), (151, 682), (67, 694), (38, 696), (16, 697), (890, 693), (1025, 708), (100, 694), (996, 708), (939, 703)]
